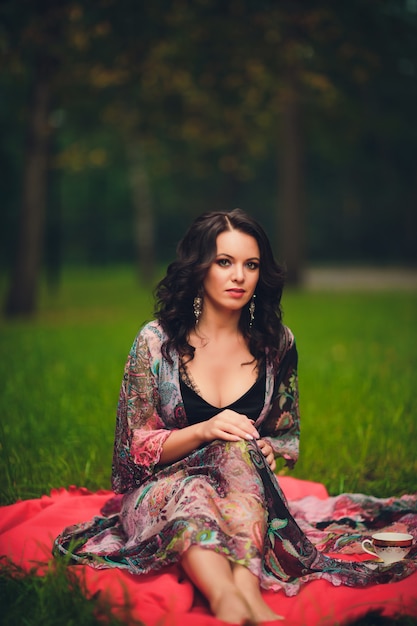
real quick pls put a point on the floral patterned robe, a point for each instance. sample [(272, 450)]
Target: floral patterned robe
[(222, 496)]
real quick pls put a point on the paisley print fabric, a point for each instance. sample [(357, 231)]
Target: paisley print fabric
[(222, 497)]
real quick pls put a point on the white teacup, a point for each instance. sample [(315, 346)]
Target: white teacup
[(389, 547)]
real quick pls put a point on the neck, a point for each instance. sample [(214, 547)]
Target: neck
[(213, 324)]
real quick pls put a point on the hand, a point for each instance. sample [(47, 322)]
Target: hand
[(268, 453), (229, 426)]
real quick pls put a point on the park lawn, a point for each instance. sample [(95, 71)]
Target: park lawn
[(60, 377)]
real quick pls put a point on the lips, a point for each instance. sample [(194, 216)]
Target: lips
[(236, 293)]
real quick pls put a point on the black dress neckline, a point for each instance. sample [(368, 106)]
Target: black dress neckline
[(198, 409)]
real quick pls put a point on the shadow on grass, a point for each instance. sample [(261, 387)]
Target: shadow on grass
[(375, 618), (58, 597)]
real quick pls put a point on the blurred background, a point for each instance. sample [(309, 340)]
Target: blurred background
[(122, 120)]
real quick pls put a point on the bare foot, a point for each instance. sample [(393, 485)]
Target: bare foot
[(231, 607), (248, 584), (263, 613)]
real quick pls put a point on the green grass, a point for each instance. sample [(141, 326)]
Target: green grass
[(358, 376), (60, 375)]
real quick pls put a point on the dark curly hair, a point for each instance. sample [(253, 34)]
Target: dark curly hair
[(174, 294)]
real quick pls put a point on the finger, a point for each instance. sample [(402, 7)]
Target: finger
[(227, 436), (244, 429), (246, 426), (265, 447), (235, 432), (241, 421), (268, 453)]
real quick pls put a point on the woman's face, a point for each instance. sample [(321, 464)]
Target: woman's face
[(233, 275)]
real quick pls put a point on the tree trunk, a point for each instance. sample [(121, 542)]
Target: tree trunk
[(291, 234), (23, 292), (144, 223)]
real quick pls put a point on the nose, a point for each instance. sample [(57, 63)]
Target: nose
[(238, 275)]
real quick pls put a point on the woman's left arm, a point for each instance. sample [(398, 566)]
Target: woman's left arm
[(281, 428)]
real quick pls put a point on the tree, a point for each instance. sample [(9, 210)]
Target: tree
[(205, 97), (22, 295), (37, 37)]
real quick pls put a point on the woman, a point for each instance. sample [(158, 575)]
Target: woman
[(208, 401)]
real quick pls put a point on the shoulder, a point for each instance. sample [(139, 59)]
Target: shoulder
[(287, 350), (152, 331), (151, 335), (150, 339)]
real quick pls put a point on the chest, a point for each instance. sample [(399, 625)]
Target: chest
[(222, 375)]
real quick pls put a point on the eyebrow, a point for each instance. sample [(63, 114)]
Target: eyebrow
[(229, 256)]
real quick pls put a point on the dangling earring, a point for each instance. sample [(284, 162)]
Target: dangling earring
[(198, 307), (252, 310)]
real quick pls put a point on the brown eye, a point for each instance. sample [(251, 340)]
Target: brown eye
[(223, 262)]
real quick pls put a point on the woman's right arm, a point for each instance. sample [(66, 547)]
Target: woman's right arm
[(140, 431)]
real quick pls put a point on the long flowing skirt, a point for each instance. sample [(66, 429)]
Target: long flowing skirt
[(224, 497)]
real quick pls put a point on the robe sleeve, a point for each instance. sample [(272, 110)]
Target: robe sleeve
[(140, 430), (281, 427)]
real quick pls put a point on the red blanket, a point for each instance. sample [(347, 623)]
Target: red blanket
[(28, 528)]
